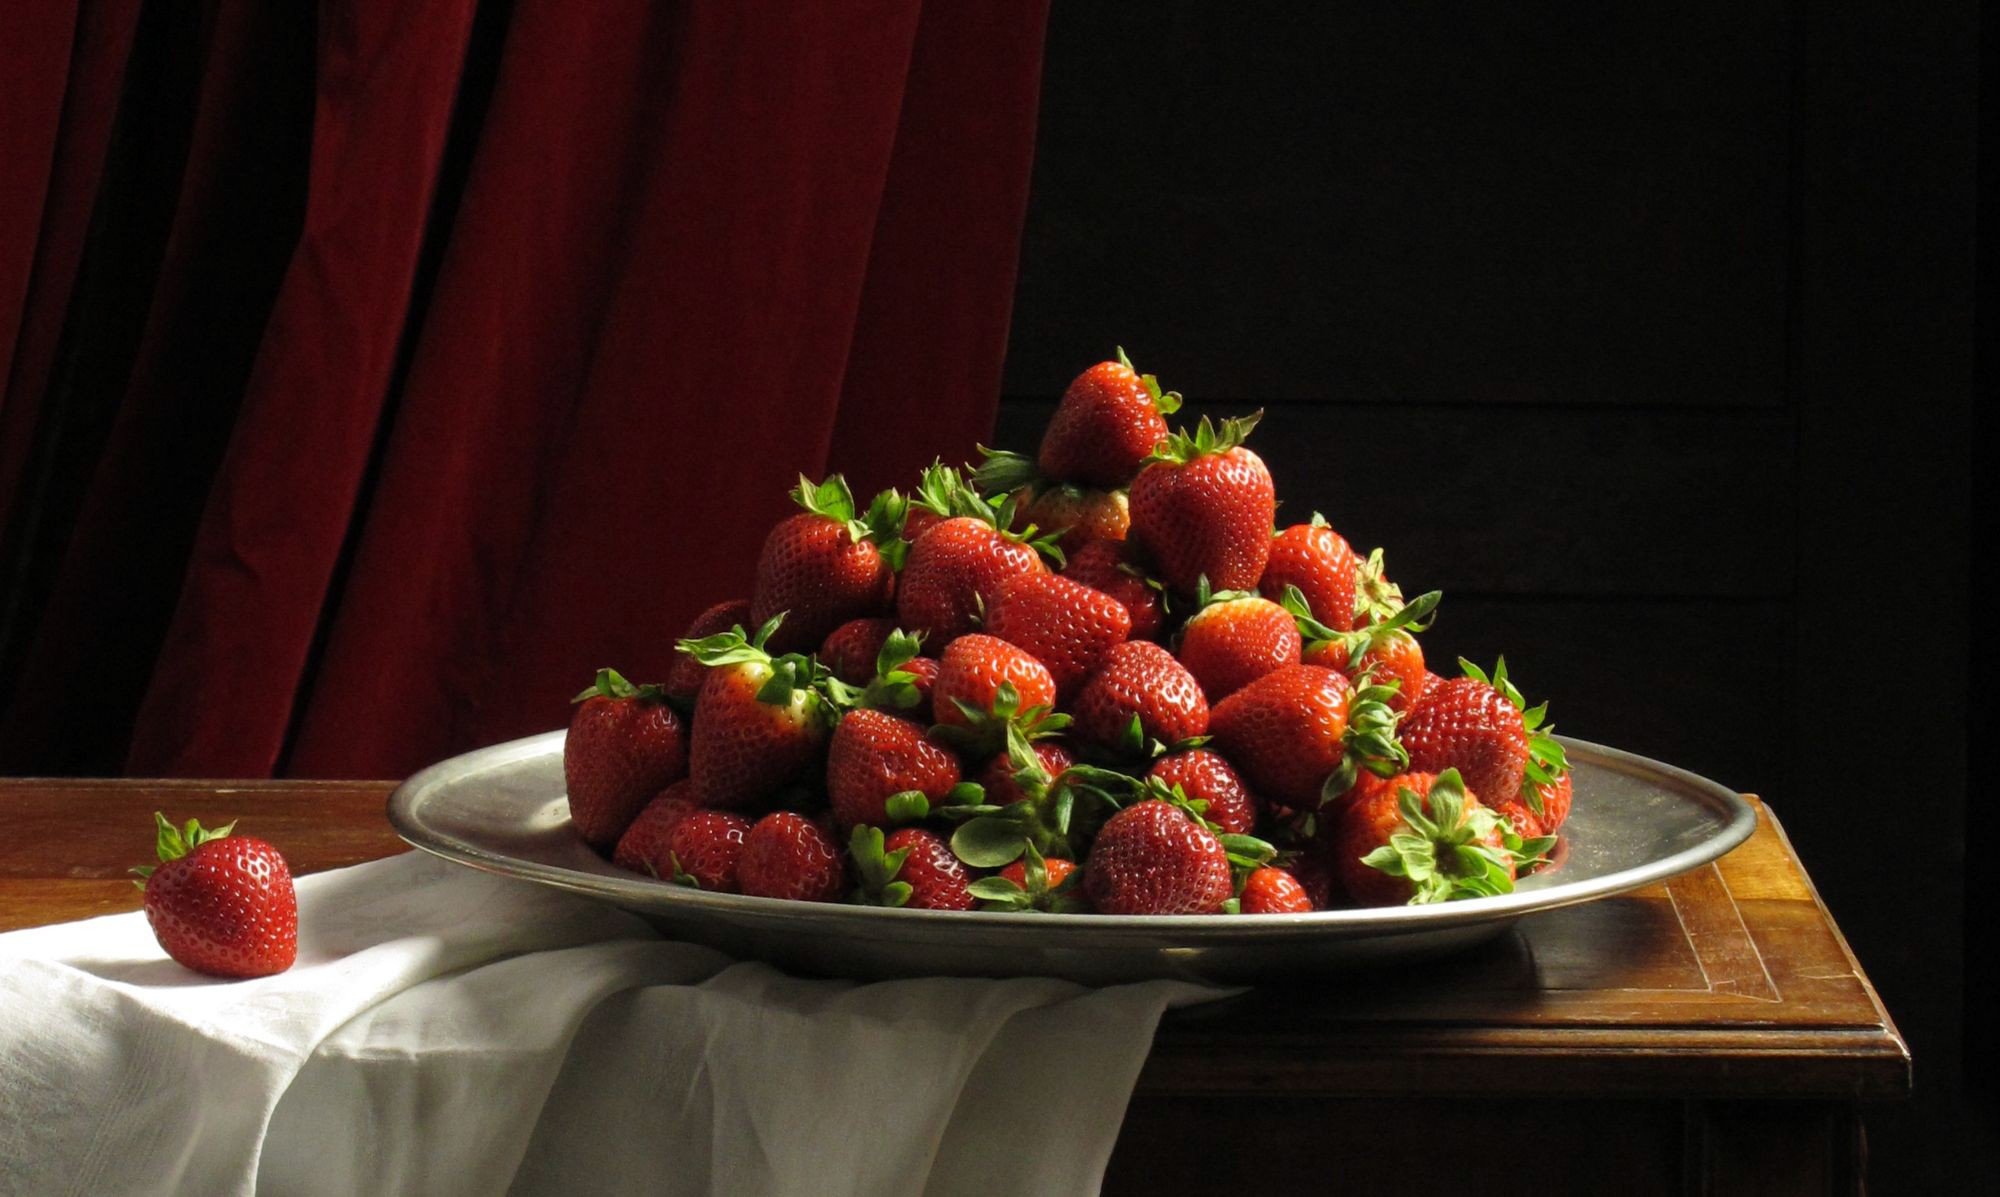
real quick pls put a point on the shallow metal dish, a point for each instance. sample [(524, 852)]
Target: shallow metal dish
[(503, 809)]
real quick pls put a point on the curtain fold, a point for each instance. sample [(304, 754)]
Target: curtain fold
[(491, 429)]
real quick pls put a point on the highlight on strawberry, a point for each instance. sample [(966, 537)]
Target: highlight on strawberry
[(1097, 677), (220, 903)]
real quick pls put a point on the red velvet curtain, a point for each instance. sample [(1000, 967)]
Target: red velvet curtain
[(473, 345)]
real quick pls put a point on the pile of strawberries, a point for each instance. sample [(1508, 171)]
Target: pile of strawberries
[(1100, 679)]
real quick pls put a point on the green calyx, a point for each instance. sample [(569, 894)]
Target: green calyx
[(1547, 761), (985, 733), (1375, 596), (943, 491), (1370, 739), (1004, 471), (1439, 850), (1052, 818), (1206, 440), (612, 684), (1164, 402), (1000, 893), (876, 870), (172, 843), (894, 688), (786, 678), (1412, 617), (880, 525)]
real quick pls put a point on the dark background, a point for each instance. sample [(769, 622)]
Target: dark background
[(1643, 331)]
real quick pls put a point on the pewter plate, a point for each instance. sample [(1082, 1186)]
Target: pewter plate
[(503, 809)]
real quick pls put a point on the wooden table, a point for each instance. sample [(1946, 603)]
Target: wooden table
[(1713, 1034)]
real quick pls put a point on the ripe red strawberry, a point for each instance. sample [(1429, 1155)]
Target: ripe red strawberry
[(828, 564), (849, 651), (1203, 506), (1236, 638), (952, 572), (1387, 650), (1049, 884), (760, 723), (221, 904), (1108, 566), (876, 757), (1273, 891), (1314, 558), (1530, 823), (643, 847), (997, 778), (1064, 624), (911, 867), (1057, 869), (942, 493), (1140, 694), (1109, 419), (685, 674), (972, 672), (1477, 725), (787, 855), (1419, 838), (625, 745), (705, 849), (1205, 776), (1302, 731), (1316, 873), (1152, 858)]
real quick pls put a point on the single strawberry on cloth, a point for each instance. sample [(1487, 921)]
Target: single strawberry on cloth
[(444, 1031)]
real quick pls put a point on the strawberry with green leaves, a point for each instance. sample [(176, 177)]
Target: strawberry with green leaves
[(1301, 734), (1207, 777), (643, 847), (1419, 838), (220, 904), (684, 676), (979, 675), (625, 744), (1317, 561), (1077, 516), (910, 867), (1386, 651), (1139, 697), (1047, 804), (761, 722), (943, 493), (883, 660), (1203, 507), (1272, 890), (1156, 857), (882, 770), (1235, 637), (954, 568), (1051, 885), (1112, 567), (790, 857), (1063, 624), (1109, 419), (1480, 725), (704, 850), (828, 564)]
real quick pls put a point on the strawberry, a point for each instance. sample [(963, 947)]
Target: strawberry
[(1300, 733), (761, 722), (1386, 650), (1375, 596), (1527, 821), (943, 493), (1064, 624), (685, 674), (1109, 419), (1077, 516), (1140, 695), (1206, 777), (998, 777), (1203, 506), (1316, 873), (221, 904), (787, 855), (1477, 725), (1108, 566), (827, 564), (705, 850), (849, 651), (1154, 858), (910, 867), (1235, 638), (972, 673), (881, 769), (625, 745), (1314, 558), (1051, 885), (643, 847), (1271, 890), (1418, 838), (953, 570)]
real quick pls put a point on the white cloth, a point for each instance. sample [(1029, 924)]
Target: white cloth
[(445, 1031)]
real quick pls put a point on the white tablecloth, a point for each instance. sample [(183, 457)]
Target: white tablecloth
[(449, 1032)]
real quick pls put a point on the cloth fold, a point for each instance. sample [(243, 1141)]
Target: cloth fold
[(446, 1031)]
